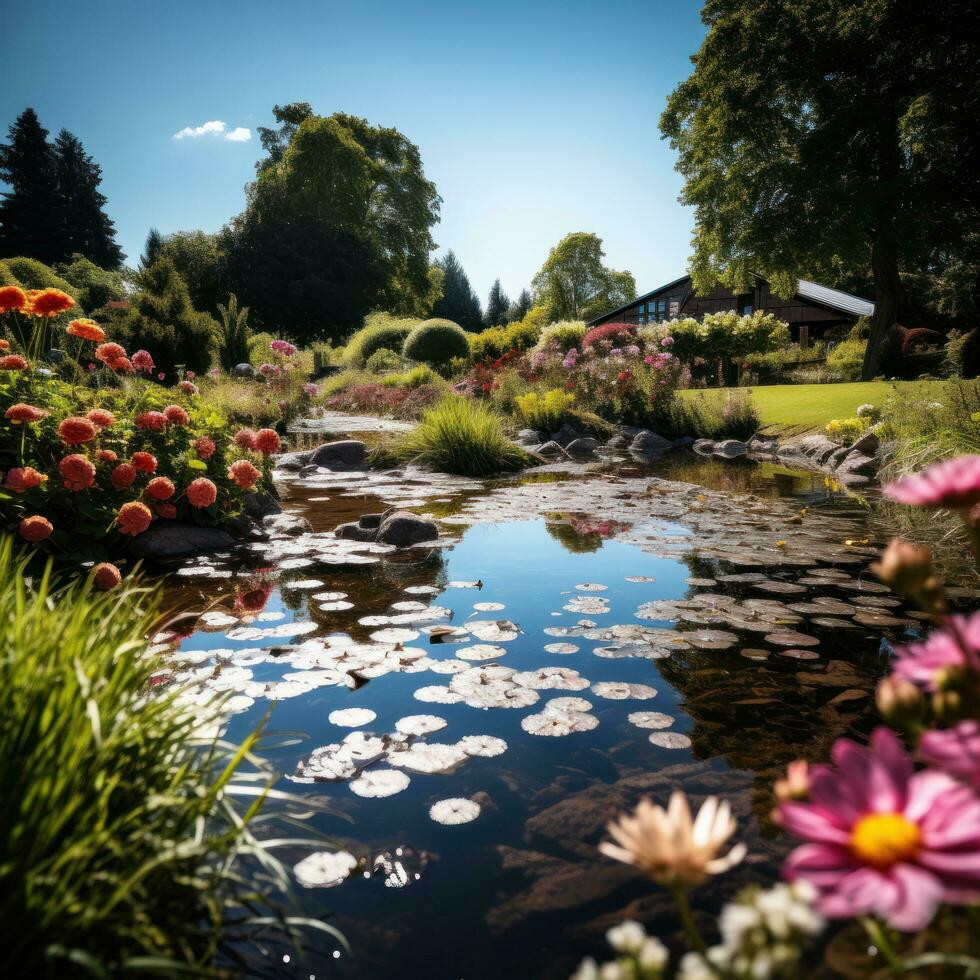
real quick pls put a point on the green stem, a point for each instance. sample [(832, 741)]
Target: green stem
[(880, 939), (687, 920)]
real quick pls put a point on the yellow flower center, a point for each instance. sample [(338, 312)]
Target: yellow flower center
[(884, 839)]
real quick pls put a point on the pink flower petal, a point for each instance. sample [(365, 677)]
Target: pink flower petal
[(824, 865), (812, 823), (919, 894), (858, 893)]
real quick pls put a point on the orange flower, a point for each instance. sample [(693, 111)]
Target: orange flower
[(202, 492), (76, 430), (144, 462), (176, 415), (21, 478), (244, 438), (267, 441), (35, 528), (156, 421), (102, 418), (50, 302), (13, 362), (123, 476), (166, 510), (205, 447), (106, 456), (134, 518), (106, 576), (77, 472), (109, 352), (244, 474), (160, 488), (4, 344), (12, 298), (22, 412), (121, 364), (86, 329)]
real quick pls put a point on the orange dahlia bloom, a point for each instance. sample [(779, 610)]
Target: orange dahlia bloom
[(106, 576), (76, 430), (106, 456), (205, 447), (121, 365), (160, 488), (244, 438), (12, 298), (109, 352), (134, 518), (77, 471), (21, 478), (101, 418), (86, 329), (50, 302), (267, 441), (123, 476), (22, 412), (244, 474), (4, 344), (156, 421), (176, 415), (202, 492), (13, 362), (167, 511), (144, 462), (35, 528)]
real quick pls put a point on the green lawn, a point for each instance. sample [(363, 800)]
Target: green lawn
[(801, 407)]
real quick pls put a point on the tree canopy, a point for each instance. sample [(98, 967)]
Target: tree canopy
[(823, 138), (497, 305), (458, 301), (573, 284)]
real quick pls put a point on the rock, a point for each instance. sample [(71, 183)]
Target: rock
[(551, 448), (261, 505), (646, 441), (586, 446), (165, 541), (402, 528), (243, 371), (856, 464), (819, 448), (354, 532), (730, 449), (764, 445), (311, 469), (836, 456), (292, 461), (703, 447), (345, 454), (565, 435), (531, 437), (371, 521), (618, 442), (683, 442), (790, 449), (286, 525), (868, 444)]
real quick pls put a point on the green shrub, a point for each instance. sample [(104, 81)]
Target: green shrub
[(544, 410), (379, 330), (414, 377), (566, 334), (509, 385), (490, 344), (846, 431), (334, 384), (847, 359), (32, 274), (436, 342), (710, 415), (93, 285), (233, 337), (384, 360), (460, 435), (120, 839)]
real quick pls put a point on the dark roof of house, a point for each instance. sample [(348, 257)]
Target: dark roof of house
[(812, 292)]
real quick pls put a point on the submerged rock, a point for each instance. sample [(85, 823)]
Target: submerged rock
[(618, 442), (354, 532), (402, 528), (163, 542), (286, 525), (345, 454)]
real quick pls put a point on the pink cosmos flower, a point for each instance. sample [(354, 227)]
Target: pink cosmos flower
[(955, 750), (883, 840), (954, 484), (956, 646)]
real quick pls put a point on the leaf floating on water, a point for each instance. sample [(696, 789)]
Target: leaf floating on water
[(568, 704), (378, 783), (551, 679), (651, 719), (494, 631), (465, 585), (409, 606), (447, 634), (591, 587), (305, 584), (338, 605), (351, 717), (590, 605), (420, 724), (704, 583), (563, 648), (488, 606), (422, 590), (481, 651), (670, 740), (437, 694), (324, 869), (617, 691), (395, 635), (791, 639), (485, 746), (556, 723), (428, 757), (454, 812), (640, 578)]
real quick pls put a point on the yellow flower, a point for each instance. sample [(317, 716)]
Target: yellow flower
[(669, 846), (781, 544)]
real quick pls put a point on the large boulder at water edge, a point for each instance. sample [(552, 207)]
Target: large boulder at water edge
[(352, 531), (586, 446), (261, 505), (868, 444), (292, 461), (345, 454), (166, 542), (703, 447), (402, 528), (857, 464), (646, 442), (730, 449)]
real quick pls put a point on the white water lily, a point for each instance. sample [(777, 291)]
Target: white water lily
[(455, 811)]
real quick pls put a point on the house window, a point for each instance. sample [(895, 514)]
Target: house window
[(660, 312), (675, 308)]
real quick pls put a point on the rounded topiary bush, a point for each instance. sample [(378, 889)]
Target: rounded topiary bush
[(380, 331), (436, 342)]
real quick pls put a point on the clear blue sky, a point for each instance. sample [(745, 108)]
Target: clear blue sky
[(534, 119)]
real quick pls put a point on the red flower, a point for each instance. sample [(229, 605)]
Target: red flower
[(4, 344), (144, 462), (202, 492), (244, 474), (266, 441), (109, 352), (121, 364), (101, 417), (205, 447), (143, 360), (35, 528), (188, 387), (50, 302), (86, 329), (160, 488), (12, 298), (76, 430), (244, 438), (156, 421), (176, 415), (134, 518), (22, 412), (21, 478), (77, 471), (166, 510), (106, 576), (13, 362), (123, 476), (106, 456)]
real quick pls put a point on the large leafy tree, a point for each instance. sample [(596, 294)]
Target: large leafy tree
[(823, 138), (199, 260), (573, 283), (497, 305), (458, 301)]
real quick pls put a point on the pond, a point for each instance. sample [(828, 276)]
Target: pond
[(605, 632)]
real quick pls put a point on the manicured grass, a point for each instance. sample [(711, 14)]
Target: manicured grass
[(800, 407)]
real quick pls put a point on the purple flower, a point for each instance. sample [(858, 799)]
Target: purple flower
[(666, 342), (955, 750)]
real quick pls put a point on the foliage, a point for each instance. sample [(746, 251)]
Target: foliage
[(384, 360), (91, 285), (704, 416), (414, 377), (380, 330), (460, 435), (847, 358), (377, 398), (566, 334), (32, 274), (200, 260), (122, 848), (458, 302), (233, 335), (617, 333), (497, 306), (436, 342), (775, 366), (573, 284), (520, 307), (490, 344), (846, 431), (160, 318), (544, 410)]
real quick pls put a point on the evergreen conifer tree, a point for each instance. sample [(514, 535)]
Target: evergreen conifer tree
[(520, 308), (497, 305), (458, 301)]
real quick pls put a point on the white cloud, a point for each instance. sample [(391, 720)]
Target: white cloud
[(215, 127)]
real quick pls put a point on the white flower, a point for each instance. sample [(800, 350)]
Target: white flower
[(694, 967), (588, 970), (653, 954), (627, 937)]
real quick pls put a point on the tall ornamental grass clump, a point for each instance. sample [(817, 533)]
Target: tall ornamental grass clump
[(460, 435), (122, 849), (707, 415)]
